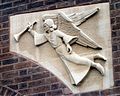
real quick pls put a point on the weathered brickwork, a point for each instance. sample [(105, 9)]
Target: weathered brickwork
[(20, 76)]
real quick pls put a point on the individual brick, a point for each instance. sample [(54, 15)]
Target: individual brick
[(6, 5), (10, 61), (7, 82), (115, 33), (117, 82), (5, 50), (13, 86), (40, 75), (20, 2), (116, 75), (22, 85), (35, 4), (55, 86), (113, 20), (114, 47), (48, 2), (23, 72), (95, 93), (36, 83), (41, 89), (5, 37), (23, 65), (116, 54), (6, 56), (82, 1), (107, 92), (6, 68), (117, 19), (20, 8), (114, 13), (10, 74), (22, 59), (51, 80), (117, 5), (114, 1), (25, 91), (116, 90), (5, 25), (3, 31), (116, 68), (8, 11), (22, 79), (116, 27), (55, 93), (4, 43), (39, 94), (4, 1), (4, 18)]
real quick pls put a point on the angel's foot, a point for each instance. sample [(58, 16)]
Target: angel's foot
[(99, 56), (99, 67)]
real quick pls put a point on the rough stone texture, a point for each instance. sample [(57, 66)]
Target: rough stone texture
[(17, 62)]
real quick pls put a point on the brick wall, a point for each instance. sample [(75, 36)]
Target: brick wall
[(19, 75)]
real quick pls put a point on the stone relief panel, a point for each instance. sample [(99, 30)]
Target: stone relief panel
[(73, 43)]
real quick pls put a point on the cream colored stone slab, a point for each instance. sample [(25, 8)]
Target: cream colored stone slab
[(97, 28)]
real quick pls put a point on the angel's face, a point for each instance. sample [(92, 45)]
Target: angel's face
[(49, 25)]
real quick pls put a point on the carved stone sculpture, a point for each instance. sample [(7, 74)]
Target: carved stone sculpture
[(62, 41)]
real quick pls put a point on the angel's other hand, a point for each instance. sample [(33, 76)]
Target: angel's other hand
[(69, 49)]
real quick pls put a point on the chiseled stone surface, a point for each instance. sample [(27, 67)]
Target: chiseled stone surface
[(97, 27)]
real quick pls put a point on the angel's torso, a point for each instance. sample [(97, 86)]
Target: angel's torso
[(54, 38)]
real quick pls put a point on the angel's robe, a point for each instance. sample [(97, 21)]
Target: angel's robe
[(58, 41)]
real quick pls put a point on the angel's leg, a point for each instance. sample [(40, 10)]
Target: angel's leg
[(96, 56), (75, 58)]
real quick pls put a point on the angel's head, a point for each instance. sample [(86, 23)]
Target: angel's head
[(49, 25)]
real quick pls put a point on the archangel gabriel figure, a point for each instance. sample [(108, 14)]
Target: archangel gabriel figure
[(62, 41)]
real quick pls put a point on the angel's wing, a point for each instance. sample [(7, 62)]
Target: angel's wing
[(69, 23), (79, 18)]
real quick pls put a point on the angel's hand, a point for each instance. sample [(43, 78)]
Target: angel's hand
[(69, 49)]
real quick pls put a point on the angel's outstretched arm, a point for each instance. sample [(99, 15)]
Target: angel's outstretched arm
[(38, 38)]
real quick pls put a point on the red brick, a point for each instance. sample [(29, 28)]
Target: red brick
[(10, 74), (40, 75), (4, 43), (116, 54), (23, 65), (116, 90), (5, 50), (41, 89), (117, 68), (10, 61), (22, 79), (6, 68), (36, 83), (25, 91), (116, 27), (23, 85), (5, 25), (51, 80), (115, 13), (7, 81), (55, 86), (107, 92), (116, 75), (55, 93), (5, 56), (4, 31)]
